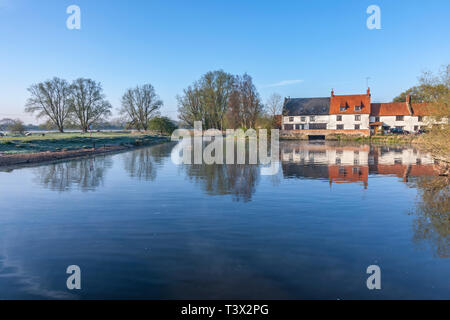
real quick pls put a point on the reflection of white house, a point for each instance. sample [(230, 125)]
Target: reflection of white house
[(353, 164), (403, 156), (348, 155), (316, 154)]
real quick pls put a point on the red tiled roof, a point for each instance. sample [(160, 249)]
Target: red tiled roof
[(423, 109), (389, 109), (350, 102)]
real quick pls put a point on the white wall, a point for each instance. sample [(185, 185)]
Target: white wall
[(348, 120), (408, 122), (306, 121)]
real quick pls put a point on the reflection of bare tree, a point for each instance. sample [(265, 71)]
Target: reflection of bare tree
[(87, 174), (143, 163), (238, 180), (432, 223), (140, 164)]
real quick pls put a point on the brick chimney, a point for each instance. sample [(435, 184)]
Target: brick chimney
[(332, 92), (408, 104), (368, 91)]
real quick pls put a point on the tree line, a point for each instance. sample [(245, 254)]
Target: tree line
[(83, 103), (434, 89), (221, 100), (218, 99)]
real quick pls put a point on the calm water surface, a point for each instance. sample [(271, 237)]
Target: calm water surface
[(141, 227)]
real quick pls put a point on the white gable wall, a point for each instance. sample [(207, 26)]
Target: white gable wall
[(408, 122)]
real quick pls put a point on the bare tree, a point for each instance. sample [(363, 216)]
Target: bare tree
[(17, 127), (87, 103), (139, 105), (50, 99), (190, 107), (206, 100), (244, 104), (274, 105), (5, 123)]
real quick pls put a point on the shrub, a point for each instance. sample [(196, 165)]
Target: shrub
[(17, 127)]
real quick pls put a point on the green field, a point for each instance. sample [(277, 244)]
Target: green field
[(73, 141)]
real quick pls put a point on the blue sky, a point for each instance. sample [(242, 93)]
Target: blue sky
[(295, 48)]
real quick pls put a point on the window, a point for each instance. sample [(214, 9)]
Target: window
[(399, 127), (342, 171), (318, 126), (420, 119), (338, 118), (340, 127), (303, 119), (291, 119), (356, 170), (300, 126), (343, 109), (312, 118), (288, 127), (377, 119), (357, 126), (357, 108), (357, 117), (399, 118)]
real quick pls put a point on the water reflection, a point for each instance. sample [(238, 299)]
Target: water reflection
[(143, 163), (355, 163), (432, 216), (316, 226), (85, 174), (347, 163), (333, 162), (237, 180)]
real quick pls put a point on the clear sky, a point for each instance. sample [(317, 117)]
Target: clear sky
[(295, 48)]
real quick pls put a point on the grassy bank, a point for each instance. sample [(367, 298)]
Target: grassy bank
[(389, 139), (59, 146), (55, 142)]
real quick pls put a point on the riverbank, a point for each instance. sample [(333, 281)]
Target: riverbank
[(53, 147)]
